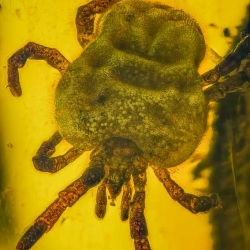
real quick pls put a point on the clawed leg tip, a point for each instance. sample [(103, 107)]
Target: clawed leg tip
[(210, 77), (17, 92), (217, 201), (22, 246), (32, 235)]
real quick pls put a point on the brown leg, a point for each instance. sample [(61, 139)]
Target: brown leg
[(101, 201), (86, 16), (32, 51), (229, 63), (234, 83), (138, 225), (126, 200), (45, 163), (67, 198), (193, 203)]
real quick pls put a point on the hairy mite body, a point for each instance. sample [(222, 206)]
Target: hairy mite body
[(134, 97), (138, 80)]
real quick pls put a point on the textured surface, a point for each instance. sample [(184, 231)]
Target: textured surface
[(29, 120), (138, 79)]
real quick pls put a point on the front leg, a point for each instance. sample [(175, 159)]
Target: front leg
[(45, 163), (66, 198), (32, 51), (193, 203)]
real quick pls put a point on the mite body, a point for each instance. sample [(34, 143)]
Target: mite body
[(135, 98)]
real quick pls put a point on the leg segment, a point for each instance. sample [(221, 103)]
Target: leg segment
[(138, 225), (230, 62), (234, 83), (126, 200), (193, 203), (101, 201), (67, 198), (86, 16), (45, 163), (32, 51)]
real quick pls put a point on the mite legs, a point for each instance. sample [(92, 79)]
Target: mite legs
[(32, 51), (86, 16), (43, 160), (193, 203), (101, 201), (126, 200), (234, 83), (230, 62), (138, 225), (67, 198)]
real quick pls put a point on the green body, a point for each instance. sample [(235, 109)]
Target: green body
[(137, 79)]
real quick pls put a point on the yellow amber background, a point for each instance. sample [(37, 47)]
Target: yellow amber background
[(27, 121)]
